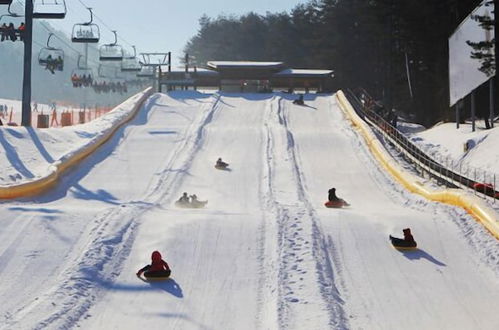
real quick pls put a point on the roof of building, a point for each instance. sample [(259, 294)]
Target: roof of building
[(305, 73), (244, 64)]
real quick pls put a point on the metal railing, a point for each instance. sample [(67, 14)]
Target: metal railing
[(362, 104)]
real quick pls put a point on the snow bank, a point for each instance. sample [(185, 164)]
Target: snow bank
[(446, 143), (30, 166)]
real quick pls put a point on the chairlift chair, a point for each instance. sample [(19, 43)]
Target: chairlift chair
[(50, 53), (5, 2), (107, 71), (131, 63), (49, 9), (10, 13), (111, 52), (86, 32), (81, 70), (119, 77), (146, 72)]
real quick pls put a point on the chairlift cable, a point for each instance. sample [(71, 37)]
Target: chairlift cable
[(78, 52), (105, 25)]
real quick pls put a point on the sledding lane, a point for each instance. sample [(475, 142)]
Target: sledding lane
[(444, 285), (214, 252), (75, 237), (264, 254)]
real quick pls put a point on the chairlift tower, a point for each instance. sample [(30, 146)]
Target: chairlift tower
[(28, 52), (49, 10), (162, 59)]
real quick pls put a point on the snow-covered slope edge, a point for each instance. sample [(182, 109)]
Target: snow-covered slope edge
[(473, 205), (107, 124)]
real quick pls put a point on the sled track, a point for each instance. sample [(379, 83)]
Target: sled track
[(98, 259), (305, 266)]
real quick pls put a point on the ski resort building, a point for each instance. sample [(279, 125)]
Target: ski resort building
[(247, 76)]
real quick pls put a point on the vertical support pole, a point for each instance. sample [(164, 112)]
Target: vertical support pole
[(458, 108), (28, 49), (496, 56), (155, 79), (491, 101), (85, 90), (159, 79), (195, 77), (186, 69), (169, 62), (473, 111), (170, 69)]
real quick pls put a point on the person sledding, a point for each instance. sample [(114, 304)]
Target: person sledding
[(299, 100), (186, 201), (407, 242), (333, 200), (195, 202), (220, 164), (158, 269)]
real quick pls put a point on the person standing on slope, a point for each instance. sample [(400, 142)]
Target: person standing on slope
[(157, 268)]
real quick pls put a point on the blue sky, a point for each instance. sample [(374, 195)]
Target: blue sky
[(160, 25)]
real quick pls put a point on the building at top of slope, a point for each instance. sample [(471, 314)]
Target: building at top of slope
[(249, 76)]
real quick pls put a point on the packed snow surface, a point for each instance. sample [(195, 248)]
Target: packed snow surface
[(263, 254), (480, 157)]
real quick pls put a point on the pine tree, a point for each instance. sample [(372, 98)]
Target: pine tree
[(484, 50)]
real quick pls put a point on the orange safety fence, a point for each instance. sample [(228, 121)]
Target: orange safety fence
[(57, 118)]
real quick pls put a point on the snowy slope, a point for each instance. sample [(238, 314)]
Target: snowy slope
[(29, 154), (264, 253)]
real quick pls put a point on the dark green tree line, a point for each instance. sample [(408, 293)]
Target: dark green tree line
[(395, 49)]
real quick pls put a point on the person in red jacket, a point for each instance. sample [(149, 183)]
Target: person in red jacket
[(157, 268)]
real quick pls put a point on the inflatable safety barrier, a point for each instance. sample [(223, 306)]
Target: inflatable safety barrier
[(37, 186), (473, 205)]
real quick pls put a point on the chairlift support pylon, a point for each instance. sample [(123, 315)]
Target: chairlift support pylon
[(49, 9), (112, 51), (50, 53), (162, 59), (88, 32)]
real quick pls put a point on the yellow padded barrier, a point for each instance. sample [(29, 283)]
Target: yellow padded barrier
[(35, 187), (472, 204)]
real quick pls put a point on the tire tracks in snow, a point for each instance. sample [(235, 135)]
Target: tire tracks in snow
[(106, 244), (301, 279)]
